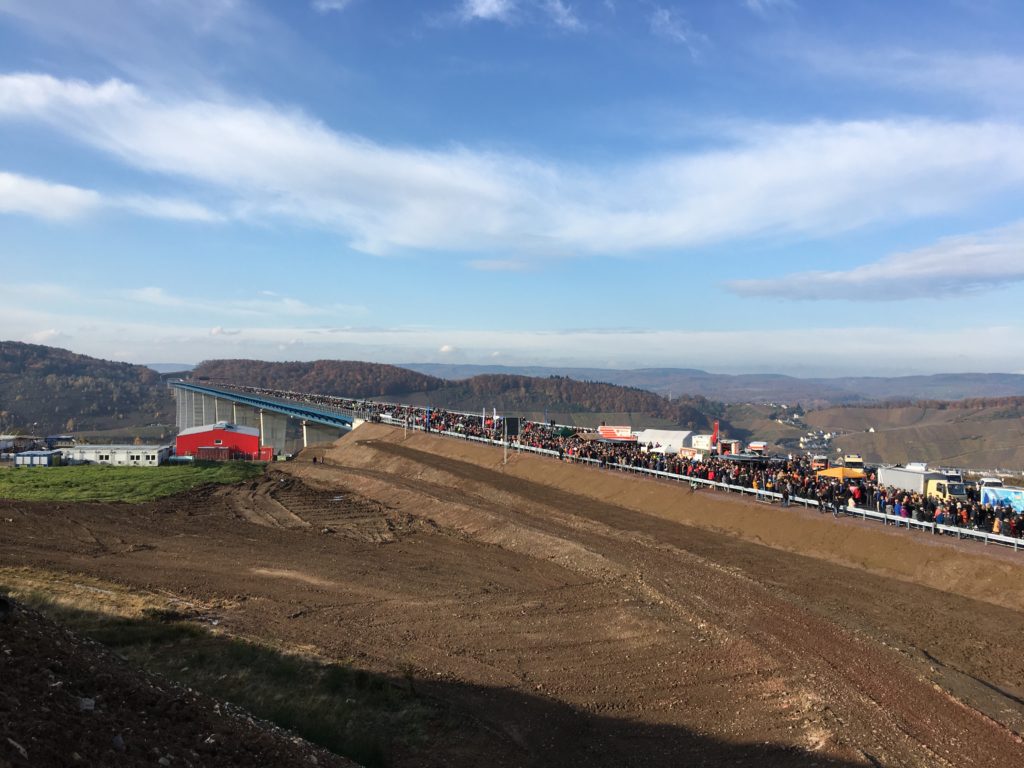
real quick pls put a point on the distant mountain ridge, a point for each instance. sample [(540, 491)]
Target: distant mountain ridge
[(346, 378), (768, 387)]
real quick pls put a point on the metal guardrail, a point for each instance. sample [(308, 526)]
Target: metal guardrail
[(768, 496)]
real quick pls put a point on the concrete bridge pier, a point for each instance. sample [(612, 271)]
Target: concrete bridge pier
[(214, 409), (183, 408), (273, 430), (245, 416), (199, 410), (319, 434)]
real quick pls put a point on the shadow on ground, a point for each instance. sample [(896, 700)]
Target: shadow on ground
[(377, 720)]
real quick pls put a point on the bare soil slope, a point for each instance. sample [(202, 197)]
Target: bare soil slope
[(568, 627), (67, 701)]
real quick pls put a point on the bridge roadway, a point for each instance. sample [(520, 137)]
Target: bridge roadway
[(201, 405)]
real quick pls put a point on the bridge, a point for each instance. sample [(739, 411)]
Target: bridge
[(277, 419)]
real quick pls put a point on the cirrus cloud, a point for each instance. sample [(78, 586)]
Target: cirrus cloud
[(47, 200), (803, 179), (952, 266)]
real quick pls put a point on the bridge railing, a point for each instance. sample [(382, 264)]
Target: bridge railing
[(769, 497)]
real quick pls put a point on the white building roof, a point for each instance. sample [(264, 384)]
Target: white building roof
[(123, 447), (221, 426)]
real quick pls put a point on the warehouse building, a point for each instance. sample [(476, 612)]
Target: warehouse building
[(221, 442), (118, 455)]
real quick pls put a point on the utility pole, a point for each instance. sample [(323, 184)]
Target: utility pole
[(504, 442)]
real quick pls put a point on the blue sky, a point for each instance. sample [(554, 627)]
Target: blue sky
[(736, 185)]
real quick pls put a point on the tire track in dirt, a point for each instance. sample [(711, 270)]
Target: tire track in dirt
[(856, 682)]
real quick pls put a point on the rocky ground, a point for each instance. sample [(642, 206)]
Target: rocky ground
[(573, 616)]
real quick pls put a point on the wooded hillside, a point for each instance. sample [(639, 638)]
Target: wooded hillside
[(559, 393), (347, 378), (47, 390)]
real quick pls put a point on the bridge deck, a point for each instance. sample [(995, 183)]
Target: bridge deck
[(292, 409)]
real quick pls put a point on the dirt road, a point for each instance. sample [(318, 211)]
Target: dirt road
[(573, 629)]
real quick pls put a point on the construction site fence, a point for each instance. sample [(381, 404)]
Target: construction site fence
[(768, 497)]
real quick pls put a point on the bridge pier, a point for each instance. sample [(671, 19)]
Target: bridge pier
[(199, 410), (192, 410), (319, 434), (273, 430), (209, 405), (244, 415)]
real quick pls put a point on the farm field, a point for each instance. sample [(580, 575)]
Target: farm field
[(539, 613)]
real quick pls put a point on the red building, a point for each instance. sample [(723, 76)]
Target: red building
[(222, 441)]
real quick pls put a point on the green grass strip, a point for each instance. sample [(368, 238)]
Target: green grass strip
[(89, 482)]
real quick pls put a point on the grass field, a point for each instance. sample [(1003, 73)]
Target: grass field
[(89, 482)]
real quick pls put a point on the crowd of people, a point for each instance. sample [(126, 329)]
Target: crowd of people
[(791, 477)]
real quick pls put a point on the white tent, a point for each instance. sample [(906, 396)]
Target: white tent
[(663, 440)]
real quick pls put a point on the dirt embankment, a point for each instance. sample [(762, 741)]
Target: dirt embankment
[(570, 616), (995, 576)]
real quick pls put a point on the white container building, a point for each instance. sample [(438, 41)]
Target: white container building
[(118, 455)]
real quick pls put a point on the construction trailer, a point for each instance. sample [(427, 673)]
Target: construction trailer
[(119, 455), (38, 459)]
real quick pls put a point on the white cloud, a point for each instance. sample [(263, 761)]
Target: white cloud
[(811, 178), (672, 25), (47, 336), (266, 305), (19, 194), (447, 349), (48, 200), (953, 266), (563, 15), (328, 6), (35, 95), (488, 10), (558, 12)]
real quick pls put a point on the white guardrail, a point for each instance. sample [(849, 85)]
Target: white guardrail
[(766, 496)]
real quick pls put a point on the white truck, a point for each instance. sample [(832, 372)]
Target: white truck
[(919, 479)]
